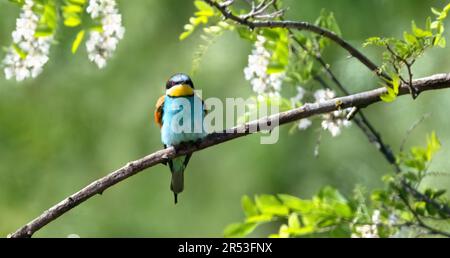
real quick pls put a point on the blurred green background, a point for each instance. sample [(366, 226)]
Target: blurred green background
[(75, 124)]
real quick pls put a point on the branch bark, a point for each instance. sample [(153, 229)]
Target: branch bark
[(360, 100)]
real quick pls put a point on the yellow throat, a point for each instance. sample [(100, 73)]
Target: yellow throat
[(181, 90)]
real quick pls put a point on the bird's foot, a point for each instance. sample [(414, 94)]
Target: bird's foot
[(198, 143), (181, 146)]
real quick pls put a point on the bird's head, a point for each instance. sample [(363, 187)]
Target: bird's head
[(179, 85)]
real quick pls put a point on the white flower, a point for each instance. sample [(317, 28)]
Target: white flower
[(35, 50), (304, 124), (392, 219), (98, 7), (324, 95), (256, 71), (259, 86), (299, 97), (376, 217), (260, 40), (366, 231), (101, 45), (300, 93), (276, 81), (334, 121)]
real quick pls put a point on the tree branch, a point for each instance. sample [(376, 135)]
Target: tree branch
[(419, 220), (360, 100), (299, 25)]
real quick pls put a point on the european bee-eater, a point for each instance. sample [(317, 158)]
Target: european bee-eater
[(179, 113)]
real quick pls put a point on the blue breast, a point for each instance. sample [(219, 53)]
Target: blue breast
[(182, 120)]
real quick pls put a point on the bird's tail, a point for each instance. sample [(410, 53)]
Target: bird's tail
[(177, 183)]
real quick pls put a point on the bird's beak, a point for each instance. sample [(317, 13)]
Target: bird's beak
[(181, 90)]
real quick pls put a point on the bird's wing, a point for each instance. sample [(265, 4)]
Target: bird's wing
[(159, 111)]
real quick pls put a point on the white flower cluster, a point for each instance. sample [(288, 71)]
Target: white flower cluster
[(369, 231), (334, 121), (256, 71), (32, 53), (102, 44), (366, 231)]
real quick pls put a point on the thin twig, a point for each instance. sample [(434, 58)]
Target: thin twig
[(411, 129), (420, 221), (408, 65)]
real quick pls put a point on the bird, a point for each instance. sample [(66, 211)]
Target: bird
[(179, 113)]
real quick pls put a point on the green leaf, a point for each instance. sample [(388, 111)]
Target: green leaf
[(49, 17), (447, 8), (439, 193), (78, 39), (19, 51), (431, 209), (275, 68), (201, 17), (239, 229), (441, 42), (293, 221), (333, 24), (420, 207), (328, 21), (249, 206), (43, 32), (410, 39), (296, 204), (331, 194), (185, 35), (245, 33), (428, 24), (395, 83), (284, 231), (435, 11), (96, 28), (390, 95), (342, 210), (377, 41), (202, 6), (411, 176), (278, 44), (72, 21), (78, 2), (379, 196), (422, 33), (72, 8), (268, 204), (301, 231), (433, 146), (259, 218)]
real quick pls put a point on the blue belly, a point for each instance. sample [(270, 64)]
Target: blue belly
[(182, 120)]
